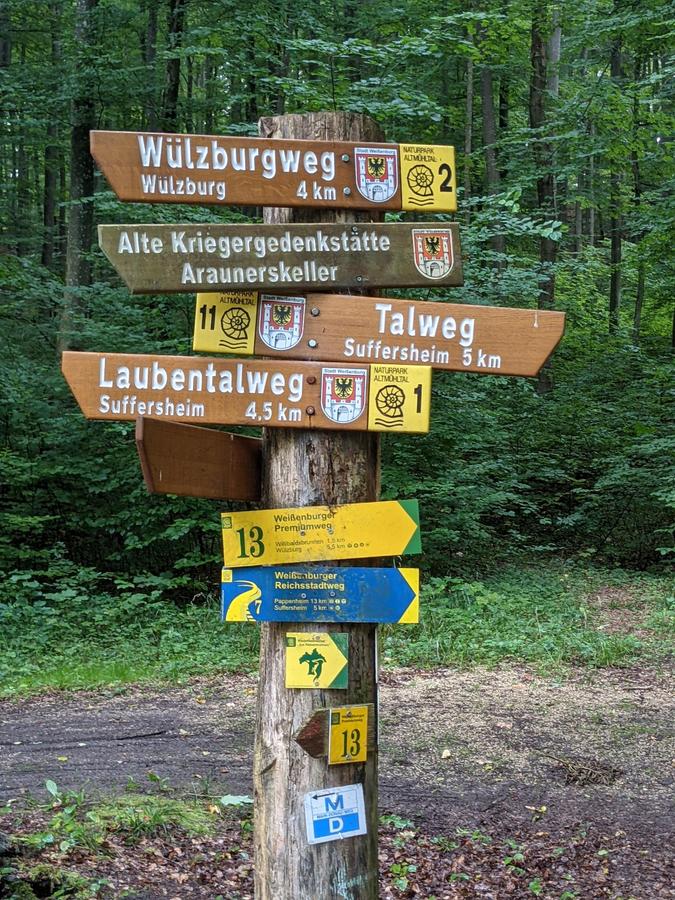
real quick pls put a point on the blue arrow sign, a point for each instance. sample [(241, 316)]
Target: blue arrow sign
[(319, 594)]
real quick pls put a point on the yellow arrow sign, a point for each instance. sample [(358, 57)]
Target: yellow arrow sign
[(356, 531), (317, 660)]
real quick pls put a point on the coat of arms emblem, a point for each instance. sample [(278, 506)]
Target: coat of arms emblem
[(343, 393), (376, 172), (281, 321), (433, 251)]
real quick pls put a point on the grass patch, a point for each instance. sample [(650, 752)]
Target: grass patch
[(96, 647), (539, 616), (84, 635), (78, 823)]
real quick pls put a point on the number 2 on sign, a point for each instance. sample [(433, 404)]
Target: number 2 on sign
[(348, 735), (256, 546)]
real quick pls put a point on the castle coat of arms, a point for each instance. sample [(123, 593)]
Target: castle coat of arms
[(376, 172), (343, 393), (281, 321), (433, 251)]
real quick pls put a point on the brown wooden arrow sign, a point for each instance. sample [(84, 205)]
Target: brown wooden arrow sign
[(198, 462), (457, 337), (313, 736), (151, 167), (286, 258), (273, 393)]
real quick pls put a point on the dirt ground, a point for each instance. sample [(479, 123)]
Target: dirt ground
[(504, 749), (453, 745)]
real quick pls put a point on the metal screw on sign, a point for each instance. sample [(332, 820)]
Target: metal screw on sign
[(315, 311), (346, 191), (345, 157), (312, 343), (310, 411)]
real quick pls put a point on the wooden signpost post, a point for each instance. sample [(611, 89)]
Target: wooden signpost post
[(189, 258), (456, 337), (151, 167), (315, 760)]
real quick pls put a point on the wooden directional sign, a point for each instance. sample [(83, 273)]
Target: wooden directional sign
[(317, 660), (491, 340), (355, 531), (150, 167), (314, 735), (319, 594), (120, 387), (186, 258), (198, 462), (348, 735)]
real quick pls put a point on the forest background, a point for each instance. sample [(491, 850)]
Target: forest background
[(531, 491)]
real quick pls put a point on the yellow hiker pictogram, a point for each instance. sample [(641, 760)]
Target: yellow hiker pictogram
[(317, 660)]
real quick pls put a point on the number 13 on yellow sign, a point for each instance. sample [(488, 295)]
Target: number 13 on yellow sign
[(348, 738)]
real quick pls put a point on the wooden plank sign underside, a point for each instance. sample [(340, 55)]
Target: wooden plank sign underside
[(152, 167), (217, 391), (198, 462), (286, 258), (348, 329)]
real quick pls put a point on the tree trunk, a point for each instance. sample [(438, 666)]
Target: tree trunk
[(81, 208), (498, 241), (468, 139), (5, 35), (591, 188), (307, 468), (615, 222), (543, 157), (51, 158), (51, 163), (177, 9), (637, 191), (149, 58)]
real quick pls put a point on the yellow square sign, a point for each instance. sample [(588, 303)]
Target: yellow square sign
[(226, 322), (348, 739), (399, 398), (428, 178), (317, 660)]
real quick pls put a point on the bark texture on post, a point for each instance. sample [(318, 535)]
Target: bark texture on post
[(304, 468)]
